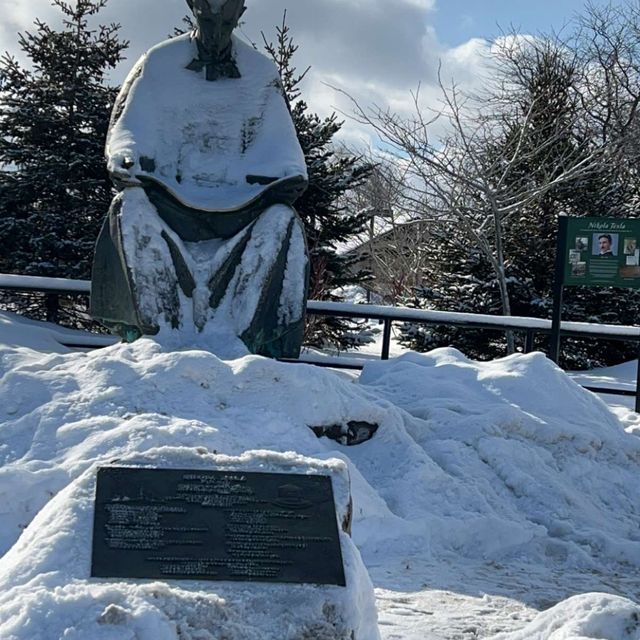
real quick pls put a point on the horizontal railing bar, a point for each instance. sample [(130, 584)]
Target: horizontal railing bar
[(65, 286), (100, 342), (331, 364), (613, 392), (472, 320), (61, 286)]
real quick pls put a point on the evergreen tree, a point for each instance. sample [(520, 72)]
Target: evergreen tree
[(54, 115), (461, 280), (327, 222)]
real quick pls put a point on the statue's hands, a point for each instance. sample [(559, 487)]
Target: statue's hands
[(286, 191), (122, 169), (253, 179)]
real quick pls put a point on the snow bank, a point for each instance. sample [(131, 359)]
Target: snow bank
[(482, 460), (535, 466), (17, 331), (63, 412), (507, 461), (596, 616), (46, 592)]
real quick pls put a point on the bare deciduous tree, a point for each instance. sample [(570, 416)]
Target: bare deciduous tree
[(495, 159), (394, 247)]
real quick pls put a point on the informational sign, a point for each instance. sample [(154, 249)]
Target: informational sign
[(215, 525), (602, 252)]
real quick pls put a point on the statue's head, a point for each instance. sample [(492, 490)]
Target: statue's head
[(216, 21)]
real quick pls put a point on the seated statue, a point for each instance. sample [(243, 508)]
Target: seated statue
[(202, 234)]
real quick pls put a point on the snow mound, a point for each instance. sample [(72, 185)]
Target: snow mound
[(62, 413), (46, 592), (534, 463), (40, 335), (591, 616), (481, 460), (20, 336), (488, 463)]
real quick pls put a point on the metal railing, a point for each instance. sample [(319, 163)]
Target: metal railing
[(52, 288)]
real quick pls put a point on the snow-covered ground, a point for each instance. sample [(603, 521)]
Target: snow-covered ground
[(496, 500)]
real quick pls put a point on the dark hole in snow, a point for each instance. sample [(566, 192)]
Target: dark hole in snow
[(354, 432)]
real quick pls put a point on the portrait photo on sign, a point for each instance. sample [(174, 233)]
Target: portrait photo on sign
[(582, 243), (630, 246), (605, 245)]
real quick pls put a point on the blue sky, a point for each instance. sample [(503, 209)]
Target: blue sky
[(456, 21)]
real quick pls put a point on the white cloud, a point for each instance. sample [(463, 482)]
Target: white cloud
[(422, 4), (377, 50)]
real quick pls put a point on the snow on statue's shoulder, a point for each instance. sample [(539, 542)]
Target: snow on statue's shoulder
[(201, 139)]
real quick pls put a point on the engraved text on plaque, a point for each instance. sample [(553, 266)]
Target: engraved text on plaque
[(215, 525)]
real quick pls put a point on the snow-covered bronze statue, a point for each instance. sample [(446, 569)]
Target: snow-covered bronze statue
[(202, 236)]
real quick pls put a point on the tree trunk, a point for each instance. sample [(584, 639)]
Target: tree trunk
[(502, 280)]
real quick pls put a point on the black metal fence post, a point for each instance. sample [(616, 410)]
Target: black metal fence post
[(637, 409), (386, 339), (529, 341), (51, 307)]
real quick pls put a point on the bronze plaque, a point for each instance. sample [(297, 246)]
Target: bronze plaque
[(215, 525)]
